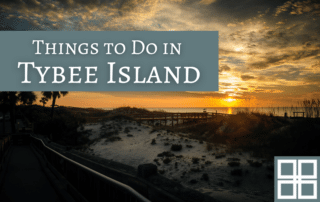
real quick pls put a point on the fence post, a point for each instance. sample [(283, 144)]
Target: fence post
[(153, 119), (165, 119), (172, 119)]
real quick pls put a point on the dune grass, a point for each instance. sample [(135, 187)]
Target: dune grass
[(261, 134)]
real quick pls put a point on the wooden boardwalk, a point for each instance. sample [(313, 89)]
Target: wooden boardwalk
[(175, 118), (24, 179)]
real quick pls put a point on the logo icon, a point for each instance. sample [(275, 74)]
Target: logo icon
[(296, 179)]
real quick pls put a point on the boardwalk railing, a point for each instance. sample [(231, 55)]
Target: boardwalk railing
[(91, 184), (175, 118), (4, 145)]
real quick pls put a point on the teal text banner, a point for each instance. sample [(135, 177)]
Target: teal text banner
[(109, 61)]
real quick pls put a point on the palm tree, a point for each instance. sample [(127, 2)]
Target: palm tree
[(4, 108), (54, 95), (13, 98), (44, 100)]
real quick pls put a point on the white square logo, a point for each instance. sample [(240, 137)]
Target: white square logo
[(296, 178)]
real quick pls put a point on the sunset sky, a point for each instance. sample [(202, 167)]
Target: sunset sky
[(269, 51)]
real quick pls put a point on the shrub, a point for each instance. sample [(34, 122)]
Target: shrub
[(166, 144), (196, 170), (153, 130), (189, 146), (205, 177), (233, 164), (83, 139), (209, 146), (256, 164), (220, 184), (108, 134), (153, 142), (127, 130), (166, 154), (176, 147), (193, 181), (236, 172), (120, 117), (112, 139), (195, 160), (237, 183), (166, 161), (208, 162), (218, 156), (233, 159), (157, 162)]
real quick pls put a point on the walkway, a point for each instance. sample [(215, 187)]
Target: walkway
[(24, 179)]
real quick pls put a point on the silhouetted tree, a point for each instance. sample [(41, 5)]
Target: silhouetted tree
[(44, 100), (27, 98), (54, 95), (13, 98), (4, 108)]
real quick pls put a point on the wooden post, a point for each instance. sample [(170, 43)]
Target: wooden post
[(178, 116), (172, 120), (183, 118), (165, 119)]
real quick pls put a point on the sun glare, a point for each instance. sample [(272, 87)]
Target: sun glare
[(229, 102), (230, 99)]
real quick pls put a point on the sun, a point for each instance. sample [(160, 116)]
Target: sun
[(230, 99), (230, 102)]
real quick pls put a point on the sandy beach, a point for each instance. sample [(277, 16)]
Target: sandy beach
[(224, 175)]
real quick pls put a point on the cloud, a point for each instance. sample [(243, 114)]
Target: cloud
[(224, 68), (289, 56), (312, 78), (277, 41), (207, 2), (299, 7), (83, 14), (283, 8), (247, 77), (231, 25)]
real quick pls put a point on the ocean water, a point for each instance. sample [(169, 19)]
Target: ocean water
[(276, 111)]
